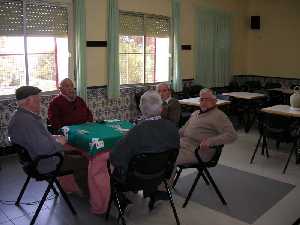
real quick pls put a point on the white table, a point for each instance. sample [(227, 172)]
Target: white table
[(245, 95), (195, 102), (282, 110)]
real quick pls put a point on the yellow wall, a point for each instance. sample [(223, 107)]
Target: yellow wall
[(274, 50), (237, 9)]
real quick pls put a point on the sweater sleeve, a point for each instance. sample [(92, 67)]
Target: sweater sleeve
[(54, 114), (225, 129)]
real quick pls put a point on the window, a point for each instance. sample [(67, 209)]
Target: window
[(34, 44), (143, 48)]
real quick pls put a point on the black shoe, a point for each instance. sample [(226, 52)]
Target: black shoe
[(157, 196), (125, 204)]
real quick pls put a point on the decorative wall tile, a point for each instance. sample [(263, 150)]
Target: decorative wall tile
[(123, 107)]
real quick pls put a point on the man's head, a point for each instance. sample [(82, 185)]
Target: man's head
[(207, 99), (66, 87), (164, 91), (150, 104), (28, 98)]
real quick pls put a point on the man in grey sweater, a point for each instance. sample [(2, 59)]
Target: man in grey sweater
[(206, 127), (27, 129)]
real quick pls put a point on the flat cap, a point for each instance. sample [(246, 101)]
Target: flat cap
[(26, 91)]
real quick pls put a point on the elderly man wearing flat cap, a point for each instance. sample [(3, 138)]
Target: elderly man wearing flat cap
[(27, 129)]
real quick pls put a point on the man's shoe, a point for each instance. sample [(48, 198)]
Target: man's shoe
[(157, 196), (125, 204)]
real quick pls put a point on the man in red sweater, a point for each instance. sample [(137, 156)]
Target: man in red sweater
[(67, 108)]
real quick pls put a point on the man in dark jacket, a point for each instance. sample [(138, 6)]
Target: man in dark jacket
[(152, 134)]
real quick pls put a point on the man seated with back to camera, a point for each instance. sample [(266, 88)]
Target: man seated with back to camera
[(206, 127), (67, 108), (152, 134), (171, 108), (27, 129)]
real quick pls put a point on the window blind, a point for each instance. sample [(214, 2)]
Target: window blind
[(144, 25), (40, 17)]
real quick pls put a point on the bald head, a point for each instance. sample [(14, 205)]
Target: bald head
[(66, 87)]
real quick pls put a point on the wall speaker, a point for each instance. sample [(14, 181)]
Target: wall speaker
[(255, 22)]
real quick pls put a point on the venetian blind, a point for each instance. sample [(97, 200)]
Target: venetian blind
[(144, 25), (40, 17)]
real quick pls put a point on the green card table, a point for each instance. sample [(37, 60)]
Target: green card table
[(95, 140)]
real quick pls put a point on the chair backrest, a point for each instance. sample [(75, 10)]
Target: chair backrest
[(214, 160), (277, 127), (149, 169), (270, 85), (26, 161)]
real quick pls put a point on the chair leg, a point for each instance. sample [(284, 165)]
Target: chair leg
[(41, 203), (267, 148), (22, 191), (256, 148), (55, 191), (118, 205), (215, 186), (297, 222), (177, 175), (290, 156), (172, 203), (263, 145), (65, 197), (192, 188), (205, 179)]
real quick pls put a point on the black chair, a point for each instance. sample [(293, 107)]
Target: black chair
[(202, 168), (30, 168), (146, 170), (279, 128), (270, 85)]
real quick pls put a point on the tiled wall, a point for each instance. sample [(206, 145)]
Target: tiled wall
[(285, 82), (123, 107)]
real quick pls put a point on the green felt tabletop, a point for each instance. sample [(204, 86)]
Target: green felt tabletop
[(96, 137)]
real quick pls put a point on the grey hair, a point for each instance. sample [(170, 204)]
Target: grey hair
[(150, 104), (162, 84), (209, 91)]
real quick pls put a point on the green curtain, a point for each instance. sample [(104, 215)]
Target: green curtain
[(175, 43), (80, 42), (113, 49), (213, 49)]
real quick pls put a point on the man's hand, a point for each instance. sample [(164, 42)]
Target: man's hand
[(204, 145), (60, 139)]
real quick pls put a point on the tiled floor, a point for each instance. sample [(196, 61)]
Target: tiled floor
[(236, 155)]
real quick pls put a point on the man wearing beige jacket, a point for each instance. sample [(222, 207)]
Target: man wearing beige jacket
[(206, 127)]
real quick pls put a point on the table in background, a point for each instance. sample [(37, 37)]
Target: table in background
[(247, 101), (95, 140), (287, 111), (195, 102), (282, 110)]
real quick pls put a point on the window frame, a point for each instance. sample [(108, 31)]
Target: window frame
[(144, 49), (68, 4)]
